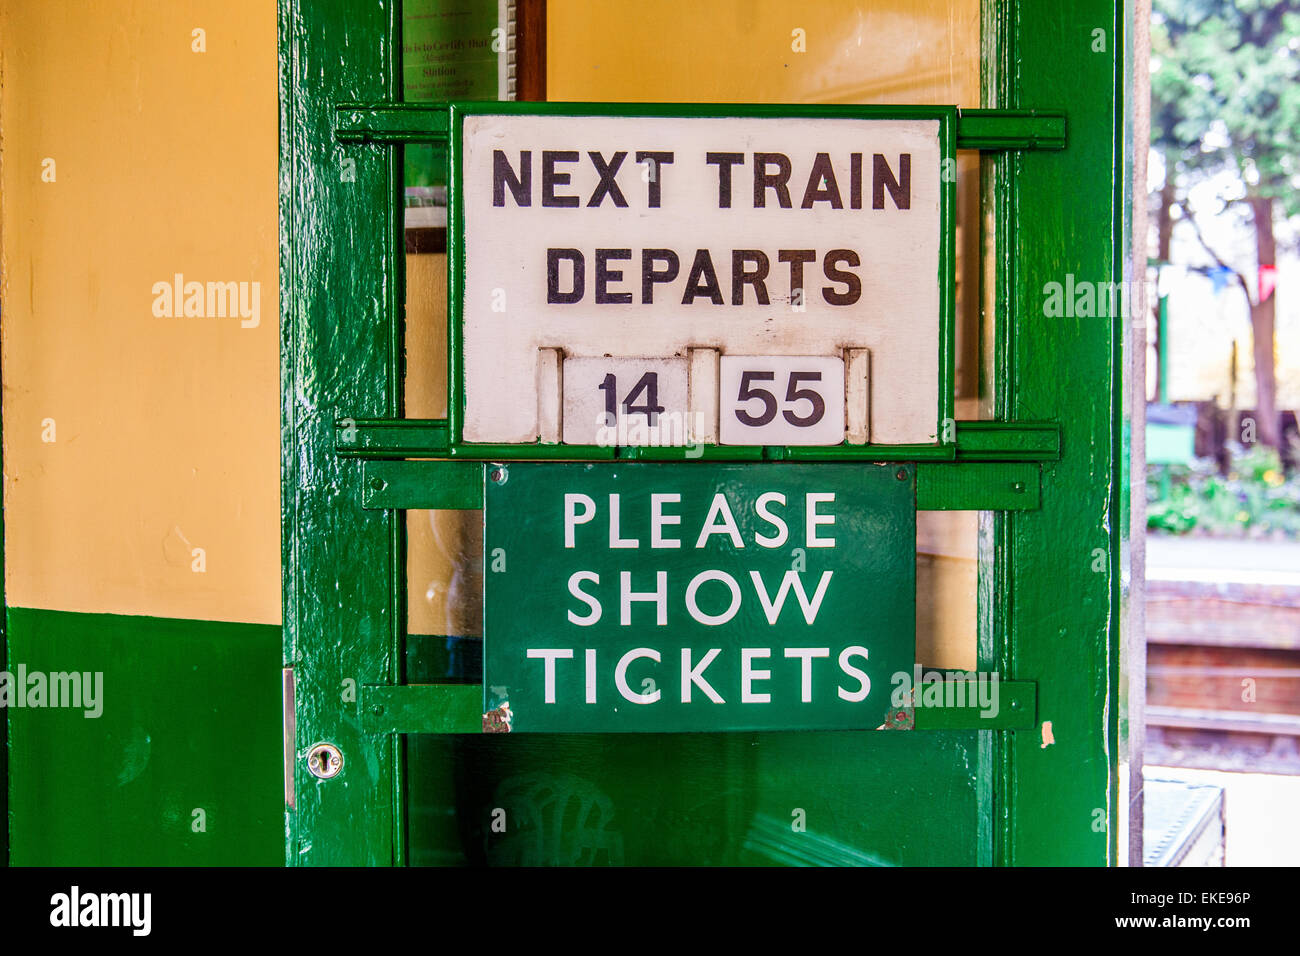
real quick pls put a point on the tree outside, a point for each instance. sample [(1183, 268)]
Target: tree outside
[(1225, 90)]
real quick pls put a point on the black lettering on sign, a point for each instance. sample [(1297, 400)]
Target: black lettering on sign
[(553, 259), (741, 277), (771, 173), (794, 393), (650, 275), (749, 267), (796, 258), (882, 178), (552, 177), (503, 177), (854, 291), (778, 181), (749, 392), (815, 191), (607, 185), (703, 280), (606, 275), (724, 162), (648, 385), (658, 160)]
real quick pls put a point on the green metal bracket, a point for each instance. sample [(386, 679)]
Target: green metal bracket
[(1008, 441), (428, 123), (456, 709), (432, 485), (940, 486), (1010, 129), (422, 709), (978, 486), (394, 438), (1017, 709), (391, 438), (391, 123)]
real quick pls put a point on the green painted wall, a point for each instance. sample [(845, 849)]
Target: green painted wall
[(4, 757), (191, 720)]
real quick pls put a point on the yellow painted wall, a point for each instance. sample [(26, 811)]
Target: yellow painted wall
[(166, 430), (744, 51)]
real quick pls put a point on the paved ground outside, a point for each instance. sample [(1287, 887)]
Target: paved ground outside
[(1263, 813), (1222, 559)]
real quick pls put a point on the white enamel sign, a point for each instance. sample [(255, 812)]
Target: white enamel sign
[(701, 243)]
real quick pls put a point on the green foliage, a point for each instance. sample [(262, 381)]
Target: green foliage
[(1255, 500), (1225, 91)]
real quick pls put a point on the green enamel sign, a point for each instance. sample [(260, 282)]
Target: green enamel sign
[(645, 597)]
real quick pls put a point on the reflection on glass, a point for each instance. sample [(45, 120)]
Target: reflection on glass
[(947, 576), (451, 50), (444, 582)]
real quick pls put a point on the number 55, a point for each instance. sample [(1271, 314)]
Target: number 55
[(793, 394)]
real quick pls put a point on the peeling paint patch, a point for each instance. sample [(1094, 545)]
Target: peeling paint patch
[(899, 718), (1048, 739), (497, 721)]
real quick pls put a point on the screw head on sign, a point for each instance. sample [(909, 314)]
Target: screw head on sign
[(378, 484), (901, 474), (498, 475)]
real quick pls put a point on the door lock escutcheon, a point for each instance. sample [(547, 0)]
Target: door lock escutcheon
[(324, 761)]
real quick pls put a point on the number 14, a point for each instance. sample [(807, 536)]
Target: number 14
[(647, 385)]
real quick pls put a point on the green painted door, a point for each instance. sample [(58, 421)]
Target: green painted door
[(386, 752)]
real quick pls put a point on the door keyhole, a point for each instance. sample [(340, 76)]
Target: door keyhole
[(324, 761)]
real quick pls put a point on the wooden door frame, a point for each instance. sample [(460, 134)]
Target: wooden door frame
[(341, 301)]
